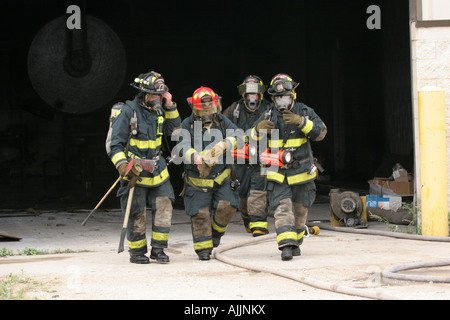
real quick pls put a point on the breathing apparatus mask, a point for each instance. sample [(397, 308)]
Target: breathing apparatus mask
[(206, 117), (153, 102), (205, 104), (282, 89), (252, 101), (252, 90), (151, 86), (283, 102)]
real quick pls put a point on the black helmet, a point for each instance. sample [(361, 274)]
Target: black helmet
[(151, 82), (282, 84), (252, 85)]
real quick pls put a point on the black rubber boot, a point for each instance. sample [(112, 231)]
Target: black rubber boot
[(159, 255), (139, 259), (246, 221), (286, 253), (259, 232), (216, 241), (296, 251), (204, 255)]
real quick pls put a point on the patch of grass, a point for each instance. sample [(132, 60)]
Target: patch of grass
[(411, 228), (6, 252), (34, 252), (16, 287)]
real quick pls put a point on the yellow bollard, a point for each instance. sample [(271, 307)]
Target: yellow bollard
[(433, 162)]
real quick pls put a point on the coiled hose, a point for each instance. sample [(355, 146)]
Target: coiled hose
[(334, 287), (391, 272)]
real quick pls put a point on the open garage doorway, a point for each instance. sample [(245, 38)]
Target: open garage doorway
[(357, 79)]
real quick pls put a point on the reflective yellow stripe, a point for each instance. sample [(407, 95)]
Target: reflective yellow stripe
[(118, 156), (308, 126), (188, 155), (233, 142), (218, 228), (254, 135), (147, 144), (137, 244), (171, 114), (287, 236), (297, 178), (209, 183), (203, 183), (160, 236), (300, 235), (132, 155), (275, 176), (258, 224), (222, 176), (203, 245), (290, 143), (152, 181), (302, 177)]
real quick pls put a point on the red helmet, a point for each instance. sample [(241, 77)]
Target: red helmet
[(205, 101)]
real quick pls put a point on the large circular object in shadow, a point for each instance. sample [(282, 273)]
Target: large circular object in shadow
[(76, 71)]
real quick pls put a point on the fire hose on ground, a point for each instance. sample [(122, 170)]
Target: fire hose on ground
[(334, 287), (391, 272)]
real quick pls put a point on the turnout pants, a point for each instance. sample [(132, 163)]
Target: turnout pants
[(210, 213), (253, 200), (159, 199), (290, 204)]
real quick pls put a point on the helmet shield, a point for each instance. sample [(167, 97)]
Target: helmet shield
[(252, 90), (251, 84), (206, 108)]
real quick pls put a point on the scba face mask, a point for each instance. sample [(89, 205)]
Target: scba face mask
[(154, 102), (283, 102), (252, 101), (206, 119)]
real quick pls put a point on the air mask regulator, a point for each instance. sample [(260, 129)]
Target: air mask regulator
[(235, 184)]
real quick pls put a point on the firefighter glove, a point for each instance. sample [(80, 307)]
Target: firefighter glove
[(204, 169), (265, 125), (292, 118), (219, 149), (133, 174), (122, 168)]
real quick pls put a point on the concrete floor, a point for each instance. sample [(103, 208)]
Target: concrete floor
[(339, 260)]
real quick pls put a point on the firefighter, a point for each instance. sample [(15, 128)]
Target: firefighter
[(209, 198), (243, 113), (137, 132), (290, 189)]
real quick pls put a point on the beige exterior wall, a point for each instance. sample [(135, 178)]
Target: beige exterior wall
[(430, 48)]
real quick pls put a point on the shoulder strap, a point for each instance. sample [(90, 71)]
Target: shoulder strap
[(236, 113)]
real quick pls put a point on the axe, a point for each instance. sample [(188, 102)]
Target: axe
[(100, 202), (130, 166), (137, 169)]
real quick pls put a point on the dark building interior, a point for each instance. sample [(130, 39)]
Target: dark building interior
[(54, 117)]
